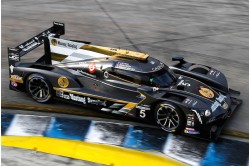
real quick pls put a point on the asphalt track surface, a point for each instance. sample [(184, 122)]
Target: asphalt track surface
[(21, 157), (211, 32)]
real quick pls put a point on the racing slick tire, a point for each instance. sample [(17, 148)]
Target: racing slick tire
[(39, 88), (170, 118)]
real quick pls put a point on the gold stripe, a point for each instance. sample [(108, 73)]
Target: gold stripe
[(58, 57), (116, 52), (90, 95), (114, 155)]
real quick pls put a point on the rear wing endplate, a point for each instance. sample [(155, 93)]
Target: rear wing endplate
[(15, 54)]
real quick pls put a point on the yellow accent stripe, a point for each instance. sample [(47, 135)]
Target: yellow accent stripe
[(130, 106), (90, 95), (98, 153), (115, 52)]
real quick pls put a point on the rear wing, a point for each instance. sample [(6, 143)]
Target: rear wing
[(15, 54)]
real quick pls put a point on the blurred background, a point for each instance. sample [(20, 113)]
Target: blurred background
[(210, 32)]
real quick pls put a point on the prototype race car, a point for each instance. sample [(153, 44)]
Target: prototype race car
[(185, 98)]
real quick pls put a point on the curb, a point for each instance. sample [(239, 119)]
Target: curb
[(99, 153), (28, 107)]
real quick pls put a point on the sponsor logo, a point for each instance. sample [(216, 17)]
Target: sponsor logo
[(125, 66), (155, 89), (183, 83), (14, 57), (63, 82), (58, 23), (215, 105), (221, 98), (77, 98), (14, 84), (159, 67), (206, 92), (218, 102), (54, 42), (92, 68), (96, 102), (214, 72), (191, 131), (67, 44), (143, 107), (29, 45), (11, 68)]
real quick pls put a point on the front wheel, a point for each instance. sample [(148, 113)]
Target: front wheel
[(39, 88), (170, 118)]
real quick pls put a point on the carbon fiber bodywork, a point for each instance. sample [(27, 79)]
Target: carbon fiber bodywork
[(115, 81)]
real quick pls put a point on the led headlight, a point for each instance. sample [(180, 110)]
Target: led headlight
[(207, 113)]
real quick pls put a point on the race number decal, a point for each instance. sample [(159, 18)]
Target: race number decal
[(63, 82), (142, 113)]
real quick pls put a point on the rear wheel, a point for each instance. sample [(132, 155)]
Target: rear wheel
[(170, 118), (39, 88)]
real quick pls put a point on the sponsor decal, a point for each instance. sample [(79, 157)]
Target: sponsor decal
[(221, 98), (63, 82), (155, 89), (159, 67), (14, 57), (152, 62), (29, 45), (11, 68), (191, 131), (13, 83), (92, 68), (214, 72), (190, 119), (53, 42), (125, 66), (96, 102), (67, 44), (77, 98), (70, 96), (218, 102), (81, 99), (206, 92), (143, 107), (215, 105), (183, 83), (16, 78), (190, 102)]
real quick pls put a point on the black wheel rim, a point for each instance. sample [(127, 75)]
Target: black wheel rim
[(39, 89), (168, 118)]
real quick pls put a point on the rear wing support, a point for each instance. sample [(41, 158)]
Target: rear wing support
[(15, 54)]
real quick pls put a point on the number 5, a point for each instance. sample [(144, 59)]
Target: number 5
[(142, 114)]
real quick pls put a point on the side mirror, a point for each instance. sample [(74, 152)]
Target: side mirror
[(180, 59)]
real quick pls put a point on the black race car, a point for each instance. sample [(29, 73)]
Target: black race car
[(185, 98)]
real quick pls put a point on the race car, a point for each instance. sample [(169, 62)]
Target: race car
[(185, 98)]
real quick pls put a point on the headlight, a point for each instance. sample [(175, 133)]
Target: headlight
[(207, 113)]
